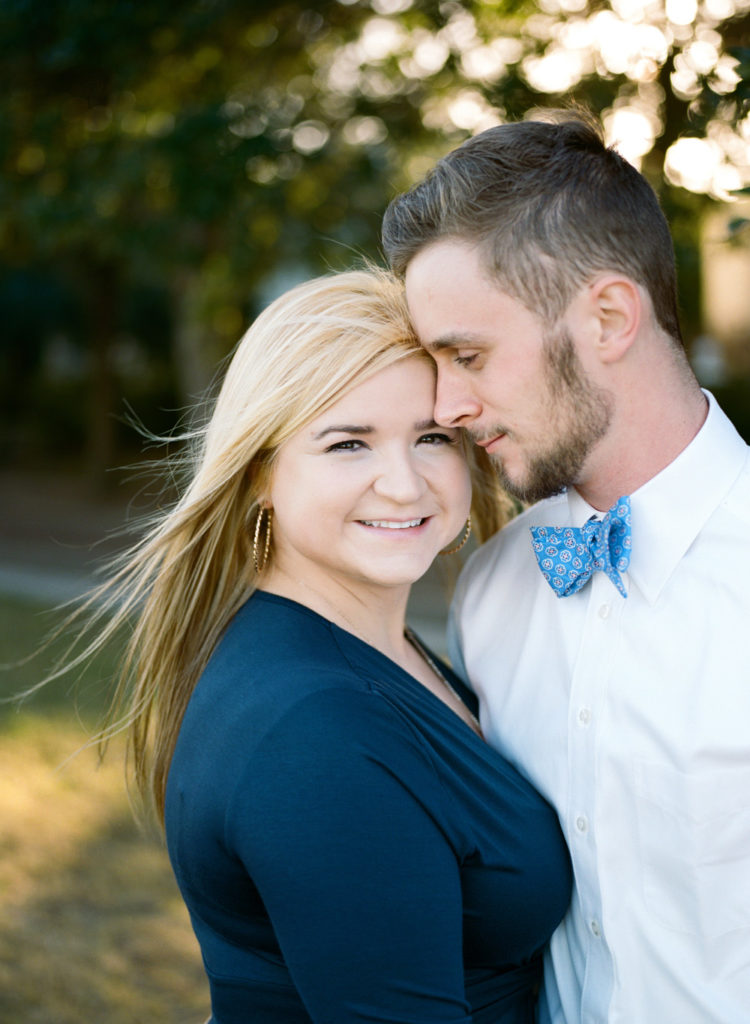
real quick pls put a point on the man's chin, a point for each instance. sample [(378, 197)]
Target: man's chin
[(528, 488), (515, 484)]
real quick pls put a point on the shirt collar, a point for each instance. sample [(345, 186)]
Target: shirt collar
[(669, 510)]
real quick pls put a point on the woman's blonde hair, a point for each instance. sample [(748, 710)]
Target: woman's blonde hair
[(183, 582)]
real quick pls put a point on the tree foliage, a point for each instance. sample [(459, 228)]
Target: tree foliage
[(210, 151)]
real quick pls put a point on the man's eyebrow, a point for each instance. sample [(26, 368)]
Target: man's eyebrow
[(343, 428), (453, 340)]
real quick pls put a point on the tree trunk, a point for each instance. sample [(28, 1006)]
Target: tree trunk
[(194, 355), (103, 307)]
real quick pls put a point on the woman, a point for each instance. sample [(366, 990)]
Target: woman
[(348, 846)]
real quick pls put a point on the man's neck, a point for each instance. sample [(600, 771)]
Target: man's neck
[(645, 438)]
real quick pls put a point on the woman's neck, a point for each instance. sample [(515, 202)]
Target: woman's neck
[(377, 615)]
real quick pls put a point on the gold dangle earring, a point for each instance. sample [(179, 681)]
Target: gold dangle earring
[(467, 534), (260, 563)]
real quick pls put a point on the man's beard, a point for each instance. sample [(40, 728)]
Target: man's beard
[(579, 415)]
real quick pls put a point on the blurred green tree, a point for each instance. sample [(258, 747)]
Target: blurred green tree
[(213, 151)]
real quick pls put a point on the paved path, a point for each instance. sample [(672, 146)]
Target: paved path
[(54, 533)]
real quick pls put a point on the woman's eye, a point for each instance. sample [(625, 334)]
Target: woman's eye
[(437, 438), (351, 445)]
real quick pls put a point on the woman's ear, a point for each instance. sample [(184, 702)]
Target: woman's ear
[(260, 484)]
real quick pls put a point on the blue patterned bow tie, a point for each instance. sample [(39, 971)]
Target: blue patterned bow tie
[(568, 557)]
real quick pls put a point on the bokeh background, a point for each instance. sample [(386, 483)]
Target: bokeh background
[(167, 169)]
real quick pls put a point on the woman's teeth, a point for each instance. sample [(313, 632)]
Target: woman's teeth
[(390, 525)]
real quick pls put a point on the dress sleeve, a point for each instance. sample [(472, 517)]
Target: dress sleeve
[(339, 823)]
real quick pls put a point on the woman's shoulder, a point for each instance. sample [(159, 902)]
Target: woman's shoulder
[(276, 656), (283, 685), (275, 633)]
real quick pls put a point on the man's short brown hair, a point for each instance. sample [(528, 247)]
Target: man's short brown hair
[(550, 207)]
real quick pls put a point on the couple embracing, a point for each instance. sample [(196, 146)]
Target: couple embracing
[(553, 826)]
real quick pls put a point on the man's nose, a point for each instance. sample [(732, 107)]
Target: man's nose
[(455, 405)]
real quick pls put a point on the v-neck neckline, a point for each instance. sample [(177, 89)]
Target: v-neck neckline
[(377, 658)]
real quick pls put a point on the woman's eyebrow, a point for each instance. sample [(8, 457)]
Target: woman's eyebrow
[(351, 428), (345, 428)]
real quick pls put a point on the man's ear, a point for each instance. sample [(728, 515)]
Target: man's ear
[(616, 304)]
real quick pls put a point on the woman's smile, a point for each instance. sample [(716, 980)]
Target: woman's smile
[(375, 460), (393, 524)]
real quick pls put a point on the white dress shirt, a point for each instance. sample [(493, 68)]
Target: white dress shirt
[(632, 716)]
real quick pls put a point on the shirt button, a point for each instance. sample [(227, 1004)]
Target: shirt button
[(595, 929), (604, 611), (584, 716), (582, 823)]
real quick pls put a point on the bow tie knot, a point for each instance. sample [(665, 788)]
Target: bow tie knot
[(569, 556)]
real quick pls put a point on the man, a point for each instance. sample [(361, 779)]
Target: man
[(540, 275)]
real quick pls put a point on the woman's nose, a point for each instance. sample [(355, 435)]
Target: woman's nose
[(400, 479)]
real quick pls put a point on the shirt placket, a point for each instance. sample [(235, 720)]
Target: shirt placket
[(588, 695)]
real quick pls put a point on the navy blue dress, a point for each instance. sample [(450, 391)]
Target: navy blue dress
[(349, 849)]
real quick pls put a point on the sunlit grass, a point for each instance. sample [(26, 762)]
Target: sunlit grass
[(92, 927)]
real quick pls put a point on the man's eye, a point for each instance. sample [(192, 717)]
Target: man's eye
[(465, 360)]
